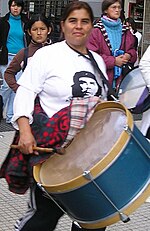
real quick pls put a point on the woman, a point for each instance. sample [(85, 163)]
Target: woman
[(50, 76), (12, 40), (144, 65), (38, 28), (113, 41)]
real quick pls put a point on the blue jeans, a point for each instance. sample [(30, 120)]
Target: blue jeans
[(6, 92)]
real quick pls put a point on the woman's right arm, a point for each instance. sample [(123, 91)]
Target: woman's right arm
[(22, 118), (26, 141)]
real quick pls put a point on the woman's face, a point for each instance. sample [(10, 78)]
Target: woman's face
[(76, 29), (39, 32), (14, 9), (113, 11)]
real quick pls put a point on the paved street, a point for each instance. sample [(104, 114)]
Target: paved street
[(13, 206)]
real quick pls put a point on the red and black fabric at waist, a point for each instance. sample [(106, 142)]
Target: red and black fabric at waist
[(57, 131), (48, 132)]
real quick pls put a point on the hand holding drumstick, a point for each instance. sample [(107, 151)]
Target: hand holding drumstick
[(27, 143), (60, 150)]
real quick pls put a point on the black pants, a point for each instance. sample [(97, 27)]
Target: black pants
[(43, 215)]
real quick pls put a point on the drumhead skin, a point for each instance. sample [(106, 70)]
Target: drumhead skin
[(133, 92), (105, 170)]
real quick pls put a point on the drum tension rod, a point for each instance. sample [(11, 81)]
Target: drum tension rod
[(123, 217), (50, 197), (128, 130), (47, 195)]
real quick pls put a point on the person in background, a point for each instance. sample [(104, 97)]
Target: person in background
[(12, 40), (39, 29), (113, 41), (132, 25), (144, 66), (41, 109)]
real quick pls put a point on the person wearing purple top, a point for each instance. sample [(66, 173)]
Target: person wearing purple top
[(109, 36)]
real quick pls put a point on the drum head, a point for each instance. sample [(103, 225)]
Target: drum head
[(87, 149), (132, 88)]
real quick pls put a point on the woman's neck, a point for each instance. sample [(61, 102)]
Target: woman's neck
[(109, 19), (78, 48)]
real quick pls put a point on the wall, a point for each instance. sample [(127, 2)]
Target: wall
[(3, 7), (96, 7)]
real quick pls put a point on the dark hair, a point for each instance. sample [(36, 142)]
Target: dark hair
[(77, 6), (108, 3), (78, 75), (131, 23), (36, 18), (17, 2)]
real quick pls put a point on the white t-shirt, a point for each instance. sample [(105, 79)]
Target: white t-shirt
[(57, 74), (139, 37), (144, 66)]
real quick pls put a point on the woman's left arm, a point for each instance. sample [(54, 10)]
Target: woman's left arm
[(129, 45)]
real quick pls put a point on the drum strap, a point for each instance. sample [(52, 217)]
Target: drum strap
[(25, 59), (90, 57), (112, 93)]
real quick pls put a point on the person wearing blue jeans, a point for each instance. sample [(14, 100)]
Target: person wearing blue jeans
[(12, 40), (6, 92)]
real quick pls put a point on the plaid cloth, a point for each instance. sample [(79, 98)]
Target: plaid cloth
[(81, 111), (59, 130)]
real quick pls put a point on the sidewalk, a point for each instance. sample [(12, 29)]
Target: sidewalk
[(12, 206)]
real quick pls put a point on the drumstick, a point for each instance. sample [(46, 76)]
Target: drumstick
[(60, 150)]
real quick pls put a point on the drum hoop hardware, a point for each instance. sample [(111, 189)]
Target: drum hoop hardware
[(129, 131), (50, 197), (114, 98), (123, 217)]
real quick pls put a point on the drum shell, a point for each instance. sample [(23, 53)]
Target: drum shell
[(87, 203)]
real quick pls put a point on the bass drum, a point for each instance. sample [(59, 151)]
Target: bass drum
[(104, 174), (133, 92)]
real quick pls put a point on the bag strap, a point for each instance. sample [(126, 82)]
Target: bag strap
[(25, 59), (112, 93)]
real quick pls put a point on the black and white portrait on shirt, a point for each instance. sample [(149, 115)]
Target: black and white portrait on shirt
[(85, 85)]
